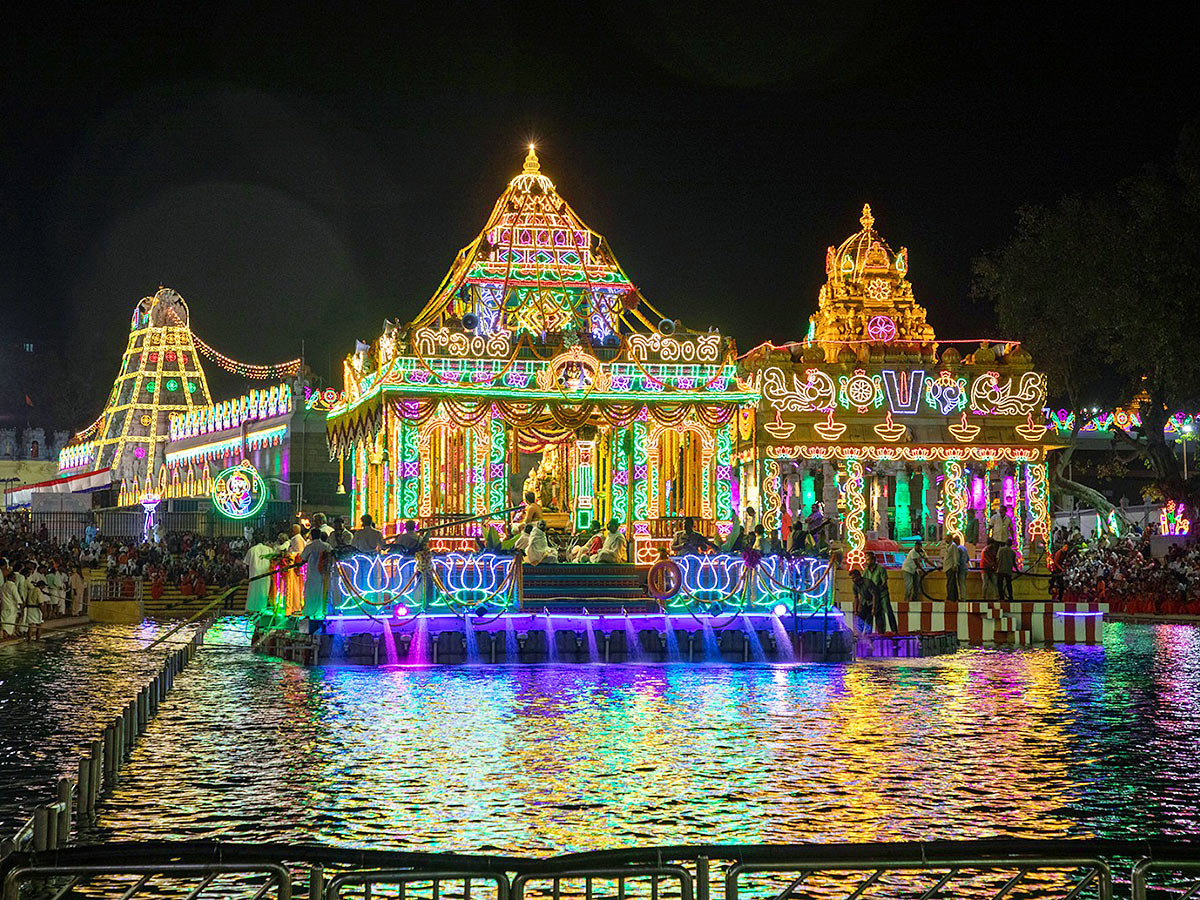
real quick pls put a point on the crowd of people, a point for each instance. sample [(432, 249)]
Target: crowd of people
[(1123, 573), (44, 578), (40, 579)]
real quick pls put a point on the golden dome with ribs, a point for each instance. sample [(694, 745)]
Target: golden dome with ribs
[(867, 298)]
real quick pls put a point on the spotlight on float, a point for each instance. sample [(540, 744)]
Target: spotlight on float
[(481, 610), (715, 608), (400, 611), (666, 326), (780, 610), (470, 321)]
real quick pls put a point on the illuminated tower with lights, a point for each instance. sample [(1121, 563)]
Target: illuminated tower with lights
[(867, 298), (160, 374), (537, 269)]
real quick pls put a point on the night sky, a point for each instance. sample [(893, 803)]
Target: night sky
[(299, 173)]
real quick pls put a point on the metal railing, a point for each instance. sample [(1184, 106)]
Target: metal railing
[(374, 882), (128, 523), (190, 880), (979, 870), (924, 878), (1179, 888)]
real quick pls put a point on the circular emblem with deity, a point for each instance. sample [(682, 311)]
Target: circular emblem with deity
[(239, 492)]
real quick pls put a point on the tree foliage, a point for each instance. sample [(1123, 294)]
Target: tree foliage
[(1104, 292)]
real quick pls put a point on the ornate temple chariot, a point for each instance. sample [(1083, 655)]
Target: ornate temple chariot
[(537, 364)]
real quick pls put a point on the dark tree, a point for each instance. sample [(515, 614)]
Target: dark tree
[(1105, 293)]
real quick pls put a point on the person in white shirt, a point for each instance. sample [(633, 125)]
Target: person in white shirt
[(56, 589), (79, 591), (296, 542), (10, 601), (368, 539), (1000, 526), (914, 564), (320, 521), (950, 564), (317, 557), (258, 563)]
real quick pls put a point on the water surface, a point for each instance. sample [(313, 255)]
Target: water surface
[(57, 695), (1069, 741)]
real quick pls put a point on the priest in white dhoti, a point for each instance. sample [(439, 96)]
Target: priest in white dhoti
[(258, 561), (613, 550), (317, 557)]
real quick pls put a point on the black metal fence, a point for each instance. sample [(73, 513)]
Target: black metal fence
[(939, 870), (130, 522)]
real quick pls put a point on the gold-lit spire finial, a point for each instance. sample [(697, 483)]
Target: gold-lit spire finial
[(532, 166), (867, 219)]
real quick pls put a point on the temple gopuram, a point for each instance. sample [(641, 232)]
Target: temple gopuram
[(538, 365), (868, 416)]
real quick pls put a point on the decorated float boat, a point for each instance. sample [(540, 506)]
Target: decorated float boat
[(538, 366)]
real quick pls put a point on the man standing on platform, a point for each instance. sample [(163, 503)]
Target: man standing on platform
[(950, 563), (368, 539), (258, 564), (876, 577), (317, 557), (814, 524), (913, 566), (1000, 526), (1006, 564), (342, 536), (10, 601), (987, 566)]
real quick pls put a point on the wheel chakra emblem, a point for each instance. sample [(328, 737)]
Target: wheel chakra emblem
[(861, 390), (239, 492)]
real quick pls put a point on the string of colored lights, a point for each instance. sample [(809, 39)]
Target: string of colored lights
[(955, 499), (856, 514), (287, 369), (1007, 344), (246, 370)]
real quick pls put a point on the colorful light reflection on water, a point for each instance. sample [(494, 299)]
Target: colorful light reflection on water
[(1054, 742), (57, 695)]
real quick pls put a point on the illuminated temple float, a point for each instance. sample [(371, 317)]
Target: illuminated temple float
[(538, 365), (905, 438)]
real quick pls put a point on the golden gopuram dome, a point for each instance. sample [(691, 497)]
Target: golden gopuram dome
[(867, 299)]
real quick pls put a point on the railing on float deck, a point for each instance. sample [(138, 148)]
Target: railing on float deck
[(981, 870)]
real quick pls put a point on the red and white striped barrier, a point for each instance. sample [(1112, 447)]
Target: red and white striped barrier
[(978, 623)]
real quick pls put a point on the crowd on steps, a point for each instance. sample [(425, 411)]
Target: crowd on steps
[(1123, 573)]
